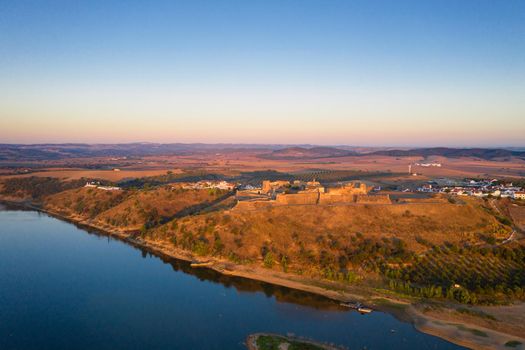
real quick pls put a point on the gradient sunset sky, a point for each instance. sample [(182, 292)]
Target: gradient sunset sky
[(410, 73)]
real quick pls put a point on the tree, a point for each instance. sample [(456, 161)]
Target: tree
[(268, 260), (284, 263)]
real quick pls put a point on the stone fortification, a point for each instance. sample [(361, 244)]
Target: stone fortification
[(272, 186), (298, 198), (275, 193), (331, 198)]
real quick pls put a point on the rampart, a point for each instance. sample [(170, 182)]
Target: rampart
[(269, 186), (313, 194), (350, 189), (331, 198), (298, 198)]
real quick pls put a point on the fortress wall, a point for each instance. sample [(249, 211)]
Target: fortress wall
[(312, 198), (330, 198), (376, 199), (297, 198), (268, 186), (249, 195), (349, 189)]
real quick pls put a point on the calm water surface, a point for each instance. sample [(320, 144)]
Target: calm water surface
[(62, 287)]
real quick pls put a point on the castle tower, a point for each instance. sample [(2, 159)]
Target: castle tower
[(266, 186)]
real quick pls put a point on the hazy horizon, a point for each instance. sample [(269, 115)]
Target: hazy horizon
[(262, 144), (370, 73)]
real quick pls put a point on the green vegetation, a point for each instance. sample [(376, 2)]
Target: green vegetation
[(151, 182), (513, 343), (273, 342), (268, 260), (37, 187), (92, 203), (252, 177), (481, 275), (478, 333)]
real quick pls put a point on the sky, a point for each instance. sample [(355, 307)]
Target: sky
[(370, 73)]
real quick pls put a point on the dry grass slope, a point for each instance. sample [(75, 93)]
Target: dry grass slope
[(128, 210), (293, 230)]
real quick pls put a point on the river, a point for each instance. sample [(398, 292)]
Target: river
[(63, 287)]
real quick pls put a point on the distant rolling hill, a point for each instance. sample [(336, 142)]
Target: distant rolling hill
[(483, 153), (307, 153), (39, 152)]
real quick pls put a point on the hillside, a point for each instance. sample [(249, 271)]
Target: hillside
[(150, 208), (420, 247), (280, 228), (35, 188), (483, 153), (378, 244), (290, 153), (84, 203), (33, 152), (130, 154), (129, 210)]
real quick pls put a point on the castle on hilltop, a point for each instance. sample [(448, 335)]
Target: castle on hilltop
[(279, 193)]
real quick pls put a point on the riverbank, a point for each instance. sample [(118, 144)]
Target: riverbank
[(457, 329)]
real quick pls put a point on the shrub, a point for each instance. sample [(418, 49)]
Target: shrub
[(513, 343), (200, 248), (268, 260)]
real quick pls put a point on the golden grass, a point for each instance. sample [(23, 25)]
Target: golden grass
[(287, 229), (127, 210)]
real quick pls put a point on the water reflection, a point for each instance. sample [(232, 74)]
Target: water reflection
[(242, 285)]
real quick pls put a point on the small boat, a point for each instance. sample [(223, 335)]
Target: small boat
[(364, 310), (201, 263)]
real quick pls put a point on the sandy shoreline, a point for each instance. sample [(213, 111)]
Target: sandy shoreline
[(465, 334)]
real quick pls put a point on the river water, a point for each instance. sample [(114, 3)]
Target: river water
[(63, 287)]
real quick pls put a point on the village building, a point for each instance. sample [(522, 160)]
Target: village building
[(519, 195), (96, 184), (476, 188), (109, 188), (201, 185), (426, 165)]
